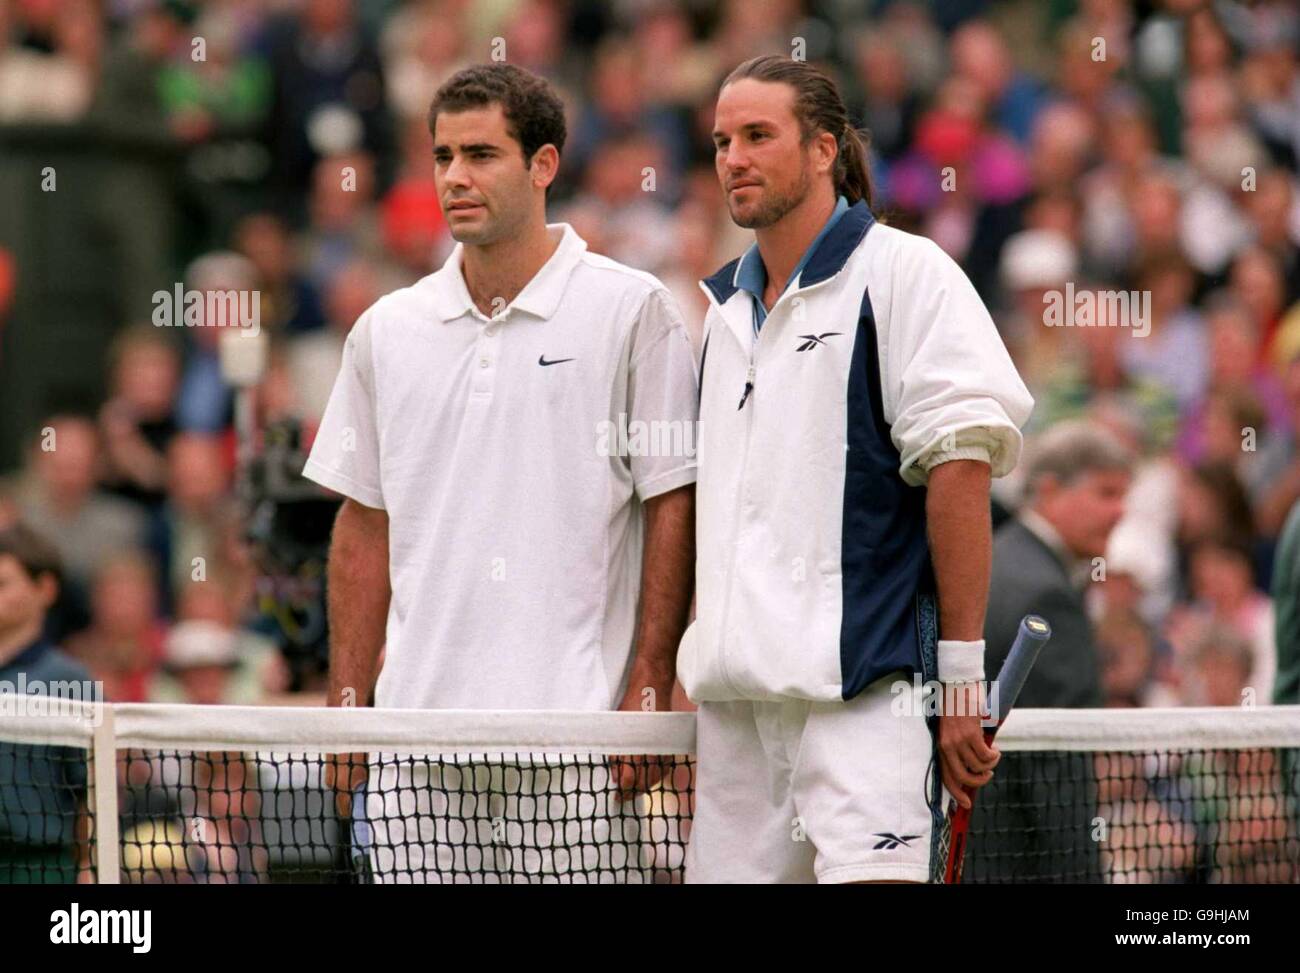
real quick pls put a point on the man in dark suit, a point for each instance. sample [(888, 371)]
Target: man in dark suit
[(1034, 822)]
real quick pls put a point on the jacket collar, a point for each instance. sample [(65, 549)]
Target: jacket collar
[(541, 296), (827, 260)]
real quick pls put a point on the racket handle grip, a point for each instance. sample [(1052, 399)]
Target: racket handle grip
[(960, 827)]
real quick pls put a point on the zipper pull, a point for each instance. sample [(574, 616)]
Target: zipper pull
[(749, 387)]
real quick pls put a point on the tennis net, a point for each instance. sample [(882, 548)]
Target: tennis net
[(1172, 796), (189, 794)]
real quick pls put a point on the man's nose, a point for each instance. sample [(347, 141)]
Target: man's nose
[(457, 173), (736, 160)]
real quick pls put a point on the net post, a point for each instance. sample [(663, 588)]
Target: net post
[(104, 755)]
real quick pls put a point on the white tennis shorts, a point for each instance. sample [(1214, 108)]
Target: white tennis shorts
[(801, 791)]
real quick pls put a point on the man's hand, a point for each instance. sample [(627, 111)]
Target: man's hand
[(966, 761), (667, 579), (649, 690), (344, 773)]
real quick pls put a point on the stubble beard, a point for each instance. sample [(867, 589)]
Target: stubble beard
[(774, 206)]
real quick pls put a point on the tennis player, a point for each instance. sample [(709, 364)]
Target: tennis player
[(856, 400), (493, 540)]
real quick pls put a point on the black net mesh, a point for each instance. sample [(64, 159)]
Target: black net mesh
[(46, 834), (1145, 817), (260, 817)]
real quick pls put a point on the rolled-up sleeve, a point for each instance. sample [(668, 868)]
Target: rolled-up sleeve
[(345, 454), (949, 382), (663, 397)]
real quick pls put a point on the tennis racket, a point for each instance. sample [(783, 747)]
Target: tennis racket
[(1033, 635)]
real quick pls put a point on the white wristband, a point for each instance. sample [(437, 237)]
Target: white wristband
[(961, 661)]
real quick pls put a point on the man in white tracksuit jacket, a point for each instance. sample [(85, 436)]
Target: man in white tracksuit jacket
[(855, 401)]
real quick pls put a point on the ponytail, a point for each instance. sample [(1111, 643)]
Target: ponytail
[(852, 171)]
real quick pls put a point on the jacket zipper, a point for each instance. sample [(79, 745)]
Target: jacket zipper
[(735, 526), (750, 383), (734, 533)]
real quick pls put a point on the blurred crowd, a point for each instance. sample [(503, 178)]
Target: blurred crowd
[(1120, 145)]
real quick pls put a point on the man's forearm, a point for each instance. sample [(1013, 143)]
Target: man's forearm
[(961, 548), (358, 602), (961, 545), (667, 582)]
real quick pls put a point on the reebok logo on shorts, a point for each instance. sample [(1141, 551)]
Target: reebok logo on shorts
[(892, 841)]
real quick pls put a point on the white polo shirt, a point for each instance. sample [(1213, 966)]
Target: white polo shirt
[(515, 525)]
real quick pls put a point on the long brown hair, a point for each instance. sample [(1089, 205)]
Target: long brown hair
[(819, 108)]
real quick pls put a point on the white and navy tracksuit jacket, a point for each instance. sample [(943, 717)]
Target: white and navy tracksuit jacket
[(813, 566)]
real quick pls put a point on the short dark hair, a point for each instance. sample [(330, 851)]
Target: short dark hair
[(533, 111), (819, 107), (35, 554), (1070, 449)]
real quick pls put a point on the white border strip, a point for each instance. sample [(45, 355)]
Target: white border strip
[(1183, 728), (104, 798), (345, 730), (327, 730), (74, 726)]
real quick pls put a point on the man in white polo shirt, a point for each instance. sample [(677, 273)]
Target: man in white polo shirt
[(492, 541)]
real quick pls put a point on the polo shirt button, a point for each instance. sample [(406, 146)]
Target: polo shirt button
[(482, 363)]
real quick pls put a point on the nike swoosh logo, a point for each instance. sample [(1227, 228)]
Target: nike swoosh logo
[(541, 360)]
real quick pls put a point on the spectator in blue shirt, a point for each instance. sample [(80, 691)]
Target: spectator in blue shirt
[(44, 827)]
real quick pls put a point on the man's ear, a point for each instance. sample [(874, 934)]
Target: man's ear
[(827, 149), (545, 165), (47, 590), (1046, 489)]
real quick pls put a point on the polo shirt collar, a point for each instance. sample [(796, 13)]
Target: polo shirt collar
[(830, 256), (541, 296), (751, 275)]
